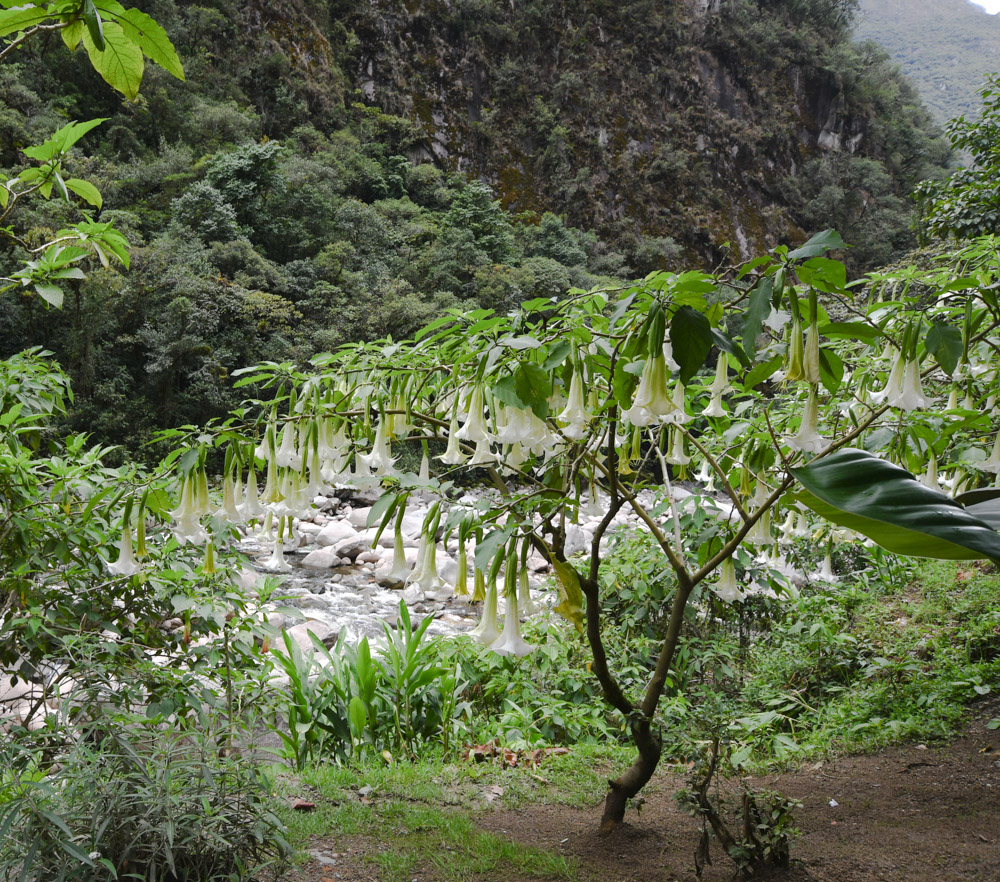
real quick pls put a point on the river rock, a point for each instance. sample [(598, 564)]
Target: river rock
[(300, 633), (321, 558), (335, 532), (358, 518), (351, 548), (372, 556)]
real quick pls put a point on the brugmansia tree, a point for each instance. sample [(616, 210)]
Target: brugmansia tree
[(775, 389)]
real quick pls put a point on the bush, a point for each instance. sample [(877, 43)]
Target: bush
[(132, 800)]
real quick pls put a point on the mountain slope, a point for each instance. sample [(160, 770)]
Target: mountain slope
[(701, 121), (946, 47)]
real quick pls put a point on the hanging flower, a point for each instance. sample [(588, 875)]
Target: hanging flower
[(228, 512), (795, 370), (910, 396), (808, 439), (894, 384), (810, 358), (514, 458), (126, 565), (276, 563), (187, 526), (675, 453), (487, 631), (251, 509), (482, 455), (668, 355), (575, 416), (287, 456), (510, 641), (727, 589), (380, 459), (679, 416), (930, 477), (453, 453), (651, 402), (474, 428)]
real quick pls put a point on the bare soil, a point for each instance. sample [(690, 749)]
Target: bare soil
[(917, 813)]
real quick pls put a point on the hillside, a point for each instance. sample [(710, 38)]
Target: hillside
[(946, 47), (337, 171), (704, 122)]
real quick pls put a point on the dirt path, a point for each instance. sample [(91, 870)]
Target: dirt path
[(909, 814)]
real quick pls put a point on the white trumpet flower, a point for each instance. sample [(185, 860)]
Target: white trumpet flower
[(910, 396), (126, 565), (228, 512), (651, 402), (487, 631), (575, 416), (675, 453), (474, 428), (482, 455), (894, 384), (992, 464), (510, 641), (380, 460), (453, 453), (287, 456), (678, 415), (187, 526), (808, 439), (527, 606), (727, 589)]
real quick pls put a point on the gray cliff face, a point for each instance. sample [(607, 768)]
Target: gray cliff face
[(652, 118)]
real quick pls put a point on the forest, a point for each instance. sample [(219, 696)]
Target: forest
[(430, 431)]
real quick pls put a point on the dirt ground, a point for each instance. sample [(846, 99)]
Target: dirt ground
[(916, 813)]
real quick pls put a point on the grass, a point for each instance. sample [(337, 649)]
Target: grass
[(422, 814)]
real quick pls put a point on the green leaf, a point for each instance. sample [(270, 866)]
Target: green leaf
[(357, 715), (486, 549), (60, 141), (850, 331), (72, 34), (93, 22), (691, 340), (831, 369), (120, 63), (762, 372), (152, 39), (726, 344), (944, 342), (21, 18), (86, 191), (505, 391), (52, 294), (818, 244), (758, 309), (533, 387), (520, 343), (570, 605), (824, 274), (854, 489)]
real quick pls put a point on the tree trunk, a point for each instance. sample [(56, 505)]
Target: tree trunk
[(623, 788)]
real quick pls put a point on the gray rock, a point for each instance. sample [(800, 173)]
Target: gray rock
[(334, 533), (321, 559)]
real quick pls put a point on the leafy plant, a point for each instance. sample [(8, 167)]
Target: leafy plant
[(135, 799)]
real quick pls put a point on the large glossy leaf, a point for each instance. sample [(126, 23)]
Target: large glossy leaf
[(854, 489), (983, 504)]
